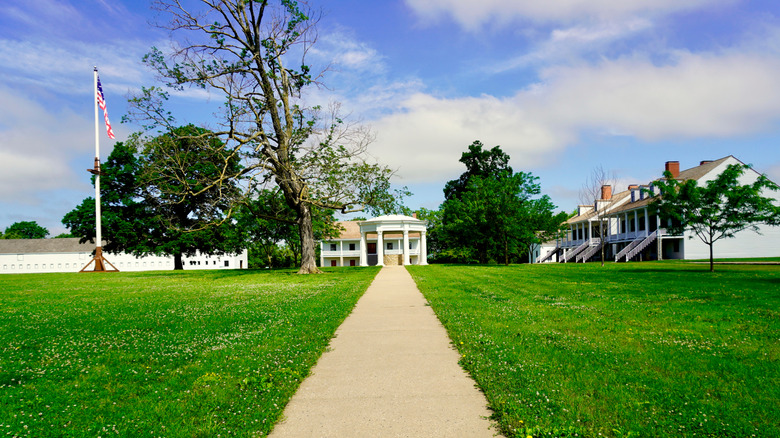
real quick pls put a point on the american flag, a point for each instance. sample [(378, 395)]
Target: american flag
[(102, 103)]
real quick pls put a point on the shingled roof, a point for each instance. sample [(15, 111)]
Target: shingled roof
[(696, 173), (42, 246)]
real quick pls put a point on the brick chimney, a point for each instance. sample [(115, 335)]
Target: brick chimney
[(674, 168), (633, 186), (606, 192), (414, 215)]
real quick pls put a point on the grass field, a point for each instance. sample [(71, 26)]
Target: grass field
[(638, 349), (174, 354)]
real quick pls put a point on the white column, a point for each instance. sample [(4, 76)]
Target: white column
[(647, 223), (322, 253), (363, 255), (380, 249), (423, 249), (406, 247), (628, 226), (636, 223)]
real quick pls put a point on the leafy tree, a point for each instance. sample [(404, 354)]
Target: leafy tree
[(64, 236), (434, 238), (158, 198), (483, 163), (25, 230), (497, 214), (266, 222), (253, 54), (719, 209)]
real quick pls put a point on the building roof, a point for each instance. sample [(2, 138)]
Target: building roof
[(40, 246), (351, 230), (615, 206), (393, 217)]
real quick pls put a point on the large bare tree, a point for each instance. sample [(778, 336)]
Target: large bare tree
[(253, 53), (598, 186)]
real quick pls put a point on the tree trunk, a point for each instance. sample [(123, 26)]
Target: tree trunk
[(506, 250), (712, 262), (602, 243), (178, 265), (308, 255)]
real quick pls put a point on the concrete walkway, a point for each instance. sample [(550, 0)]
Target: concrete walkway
[(390, 372)]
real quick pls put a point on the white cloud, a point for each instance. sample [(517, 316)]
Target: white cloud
[(567, 44), (36, 148), (341, 50), (699, 96), (474, 15)]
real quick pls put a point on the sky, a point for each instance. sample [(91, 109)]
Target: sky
[(563, 86)]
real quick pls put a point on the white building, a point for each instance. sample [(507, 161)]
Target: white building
[(68, 255), (384, 240), (633, 232)]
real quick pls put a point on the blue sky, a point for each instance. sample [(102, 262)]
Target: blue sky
[(563, 86)]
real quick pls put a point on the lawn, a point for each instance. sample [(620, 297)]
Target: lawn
[(174, 354), (638, 349)]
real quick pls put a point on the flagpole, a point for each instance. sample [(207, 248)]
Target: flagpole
[(98, 225), (98, 258)]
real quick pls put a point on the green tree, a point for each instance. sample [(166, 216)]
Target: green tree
[(434, 238), (493, 163), (717, 210), (497, 214), (25, 230), (268, 226), (158, 198), (253, 54)]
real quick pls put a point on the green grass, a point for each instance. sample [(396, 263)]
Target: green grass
[(174, 354), (659, 349)]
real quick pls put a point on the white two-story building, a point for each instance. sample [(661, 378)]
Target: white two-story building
[(383, 241), (633, 232), (19, 256)]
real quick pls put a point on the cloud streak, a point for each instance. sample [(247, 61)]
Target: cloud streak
[(476, 15), (698, 96)]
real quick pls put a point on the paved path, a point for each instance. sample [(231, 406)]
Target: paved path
[(390, 372)]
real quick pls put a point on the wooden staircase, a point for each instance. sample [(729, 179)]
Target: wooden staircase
[(585, 256), (548, 256), (575, 251)]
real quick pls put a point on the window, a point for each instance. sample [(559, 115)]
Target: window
[(227, 263), (351, 246), (332, 246), (389, 245)]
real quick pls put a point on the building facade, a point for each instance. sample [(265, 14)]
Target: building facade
[(68, 255), (383, 241), (631, 231)]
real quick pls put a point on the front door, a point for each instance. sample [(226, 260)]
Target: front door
[(371, 254)]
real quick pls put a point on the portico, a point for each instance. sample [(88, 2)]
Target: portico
[(384, 240), (392, 232)]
